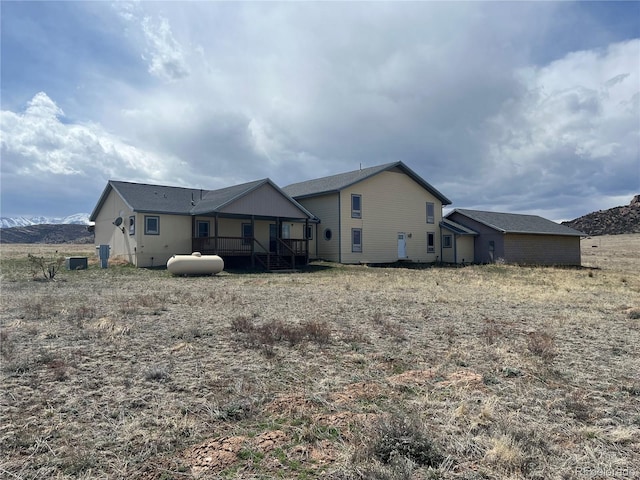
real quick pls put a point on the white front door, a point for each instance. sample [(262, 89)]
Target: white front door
[(402, 245)]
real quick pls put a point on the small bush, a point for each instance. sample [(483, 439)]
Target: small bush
[(269, 333), (242, 324), (7, 345), (157, 373), (403, 436), (634, 314), (48, 267), (491, 331), (319, 332), (542, 344)]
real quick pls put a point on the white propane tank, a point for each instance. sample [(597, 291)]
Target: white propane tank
[(195, 264)]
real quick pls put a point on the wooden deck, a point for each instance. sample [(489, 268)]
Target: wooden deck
[(283, 254)]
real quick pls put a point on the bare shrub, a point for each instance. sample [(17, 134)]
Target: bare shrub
[(542, 344), (157, 373), (577, 407), (59, 369), (242, 324), (491, 331), (319, 332), (48, 267), (634, 314), (274, 331), (7, 346), (403, 436)]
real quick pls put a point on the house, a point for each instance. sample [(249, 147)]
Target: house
[(515, 238), (379, 214), (252, 224)]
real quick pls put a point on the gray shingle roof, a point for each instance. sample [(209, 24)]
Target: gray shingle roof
[(141, 197), (457, 228), (335, 183), (517, 223)]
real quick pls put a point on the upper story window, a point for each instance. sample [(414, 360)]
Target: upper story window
[(431, 212), (151, 225), (132, 225), (356, 206)]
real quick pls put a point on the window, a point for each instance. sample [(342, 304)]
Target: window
[(430, 212), (132, 225), (356, 206), (446, 241), (202, 229), (308, 232), (356, 240), (431, 247), (327, 234), (247, 233), (286, 230), (151, 225)]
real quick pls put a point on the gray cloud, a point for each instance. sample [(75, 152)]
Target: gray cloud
[(297, 90)]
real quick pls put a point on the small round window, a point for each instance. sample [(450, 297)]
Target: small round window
[(327, 234)]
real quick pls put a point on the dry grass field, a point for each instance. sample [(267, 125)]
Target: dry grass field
[(483, 372)]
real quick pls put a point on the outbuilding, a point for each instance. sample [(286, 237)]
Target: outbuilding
[(518, 238)]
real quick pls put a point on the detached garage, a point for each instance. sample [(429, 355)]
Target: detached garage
[(522, 239)]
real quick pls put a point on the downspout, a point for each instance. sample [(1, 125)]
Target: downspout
[(306, 236), (455, 248), (339, 229), (253, 242)]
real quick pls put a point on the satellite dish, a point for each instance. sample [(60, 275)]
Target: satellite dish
[(118, 221)]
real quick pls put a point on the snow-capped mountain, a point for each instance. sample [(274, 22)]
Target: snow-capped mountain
[(78, 219)]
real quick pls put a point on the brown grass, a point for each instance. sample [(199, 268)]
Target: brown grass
[(340, 372)]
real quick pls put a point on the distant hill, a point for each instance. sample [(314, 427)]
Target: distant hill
[(60, 233), (614, 221)]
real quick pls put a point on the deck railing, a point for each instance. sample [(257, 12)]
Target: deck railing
[(242, 246)]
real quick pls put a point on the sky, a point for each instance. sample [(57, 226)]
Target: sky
[(521, 107)]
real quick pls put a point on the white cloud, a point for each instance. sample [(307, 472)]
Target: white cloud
[(40, 141), (576, 132), (166, 56)]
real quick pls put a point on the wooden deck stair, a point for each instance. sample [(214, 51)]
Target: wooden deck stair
[(276, 262)]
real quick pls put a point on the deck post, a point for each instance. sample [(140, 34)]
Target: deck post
[(193, 231), (306, 241), (215, 238)]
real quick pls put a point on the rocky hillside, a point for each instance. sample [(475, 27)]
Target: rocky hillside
[(60, 233), (614, 221)]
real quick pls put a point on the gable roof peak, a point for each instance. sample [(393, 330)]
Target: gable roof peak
[(338, 182)]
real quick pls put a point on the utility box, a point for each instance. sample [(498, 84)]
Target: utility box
[(76, 263), (103, 253)]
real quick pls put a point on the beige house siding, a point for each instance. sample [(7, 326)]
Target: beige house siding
[(542, 249), (392, 203), (122, 245), (326, 208), (174, 239), (464, 249), (264, 201)]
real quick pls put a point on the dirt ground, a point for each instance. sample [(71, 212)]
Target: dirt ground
[(336, 372)]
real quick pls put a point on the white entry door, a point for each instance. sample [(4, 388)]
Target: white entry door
[(402, 245)]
